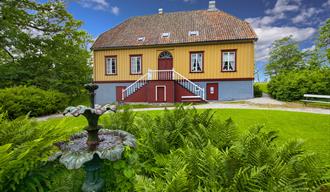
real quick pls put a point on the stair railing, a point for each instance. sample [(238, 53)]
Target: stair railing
[(134, 86), (191, 86), (164, 75)]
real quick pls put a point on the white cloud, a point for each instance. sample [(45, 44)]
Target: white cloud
[(267, 35), (94, 4), (276, 13), (99, 5), (264, 21), (282, 6), (305, 14), (309, 48), (115, 10), (326, 4)]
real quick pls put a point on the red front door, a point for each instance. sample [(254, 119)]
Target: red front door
[(212, 91), (160, 93), (165, 64), (119, 90)]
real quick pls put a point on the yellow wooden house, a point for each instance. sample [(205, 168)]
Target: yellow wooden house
[(204, 55)]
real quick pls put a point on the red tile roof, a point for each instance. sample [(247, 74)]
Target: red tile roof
[(212, 26)]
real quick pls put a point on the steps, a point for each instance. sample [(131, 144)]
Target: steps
[(167, 75)]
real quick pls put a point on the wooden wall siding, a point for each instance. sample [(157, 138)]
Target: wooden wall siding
[(212, 59)]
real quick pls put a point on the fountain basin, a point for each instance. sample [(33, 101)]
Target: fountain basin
[(75, 152)]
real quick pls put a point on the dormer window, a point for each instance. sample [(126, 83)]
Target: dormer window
[(166, 34), (141, 38), (193, 33)]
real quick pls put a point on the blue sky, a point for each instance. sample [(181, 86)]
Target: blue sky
[(271, 19)]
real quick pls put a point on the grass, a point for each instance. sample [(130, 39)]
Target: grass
[(263, 86), (148, 105), (314, 129)]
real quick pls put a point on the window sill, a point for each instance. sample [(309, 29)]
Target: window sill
[(228, 71), (196, 72)]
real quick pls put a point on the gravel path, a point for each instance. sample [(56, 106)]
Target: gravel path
[(247, 106), (261, 103)]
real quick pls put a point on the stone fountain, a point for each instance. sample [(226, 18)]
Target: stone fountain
[(89, 148)]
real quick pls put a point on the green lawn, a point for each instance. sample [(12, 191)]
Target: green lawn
[(314, 129)]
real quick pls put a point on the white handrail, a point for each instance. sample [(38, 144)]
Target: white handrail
[(164, 75), (134, 86)]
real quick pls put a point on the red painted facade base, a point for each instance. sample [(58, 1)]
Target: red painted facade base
[(162, 91)]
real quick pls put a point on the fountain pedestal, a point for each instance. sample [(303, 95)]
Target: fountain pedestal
[(93, 181)]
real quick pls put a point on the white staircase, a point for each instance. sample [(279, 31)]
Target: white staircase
[(164, 75)]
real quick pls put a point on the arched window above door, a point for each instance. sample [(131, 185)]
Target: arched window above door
[(165, 55)]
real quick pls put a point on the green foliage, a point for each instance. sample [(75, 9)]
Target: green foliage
[(120, 175), (284, 56), (257, 91), (196, 153), (24, 150), (41, 45), (262, 86), (293, 85), (294, 73), (179, 150), (19, 101), (323, 41)]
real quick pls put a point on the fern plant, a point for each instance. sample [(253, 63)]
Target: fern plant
[(184, 150), (24, 151)]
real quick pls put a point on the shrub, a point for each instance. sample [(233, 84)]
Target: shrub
[(25, 146), (293, 85), (262, 86), (19, 101), (257, 91)]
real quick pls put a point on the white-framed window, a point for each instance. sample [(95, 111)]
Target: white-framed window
[(196, 62), (141, 38), (166, 34), (136, 64), (193, 33), (111, 65), (228, 60)]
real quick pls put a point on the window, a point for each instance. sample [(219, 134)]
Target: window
[(141, 38), (193, 33), (165, 55), (196, 62), (228, 60), (166, 34), (136, 64), (111, 65)]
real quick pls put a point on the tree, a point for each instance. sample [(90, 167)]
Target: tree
[(323, 41), (284, 56), (41, 45)]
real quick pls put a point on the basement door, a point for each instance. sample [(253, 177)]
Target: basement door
[(160, 93), (212, 91), (119, 90)]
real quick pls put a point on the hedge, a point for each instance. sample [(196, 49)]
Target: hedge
[(21, 100), (293, 85), (257, 91)]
